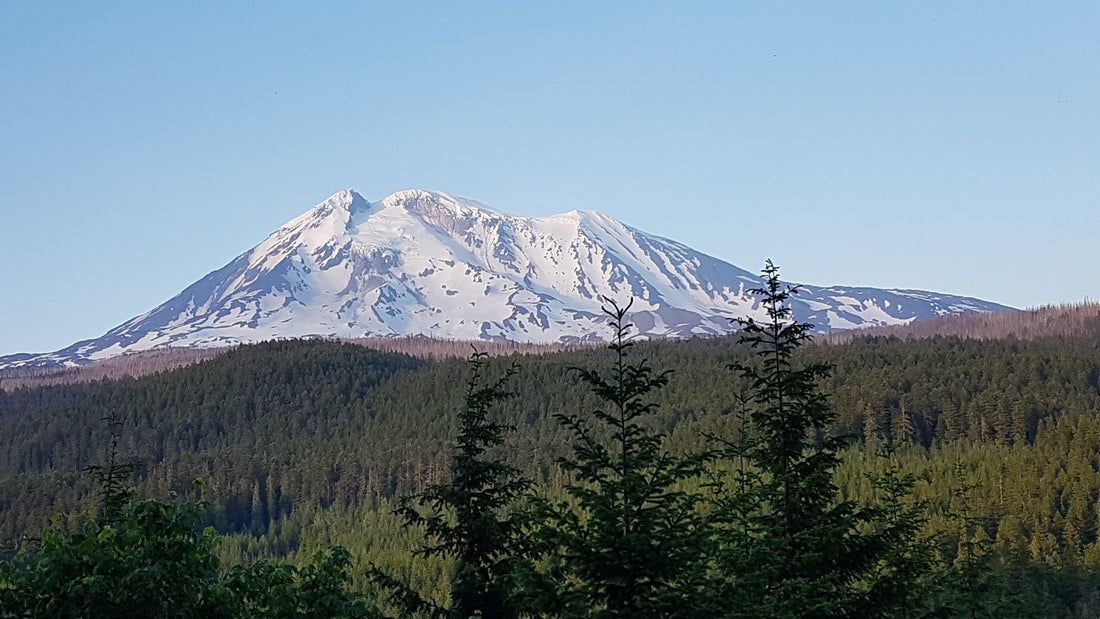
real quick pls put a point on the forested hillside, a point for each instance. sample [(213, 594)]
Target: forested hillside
[(136, 365), (303, 442)]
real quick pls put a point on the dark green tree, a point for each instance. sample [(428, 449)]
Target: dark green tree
[(113, 478), (630, 542), (151, 560), (790, 547), (318, 590), (472, 518), (157, 559)]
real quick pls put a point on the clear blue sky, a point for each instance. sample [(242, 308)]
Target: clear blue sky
[(945, 146)]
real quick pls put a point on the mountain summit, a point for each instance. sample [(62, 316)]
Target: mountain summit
[(431, 263)]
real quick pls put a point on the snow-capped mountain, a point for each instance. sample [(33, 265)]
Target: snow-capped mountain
[(430, 263)]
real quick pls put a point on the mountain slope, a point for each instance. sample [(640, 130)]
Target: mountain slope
[(431, 263)]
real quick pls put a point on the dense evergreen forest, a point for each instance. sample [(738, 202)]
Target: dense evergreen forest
[(991, 445)]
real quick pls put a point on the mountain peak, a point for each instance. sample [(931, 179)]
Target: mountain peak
[(411, 196), (442, 210), (422, 200), (349, 201), (431, 263), (585, 216), (340, 203)]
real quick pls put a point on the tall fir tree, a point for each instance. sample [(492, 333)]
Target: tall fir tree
[(470, 518), (790, 547), (629, 542)]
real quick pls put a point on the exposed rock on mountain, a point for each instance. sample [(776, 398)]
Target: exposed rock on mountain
[(430, 263)]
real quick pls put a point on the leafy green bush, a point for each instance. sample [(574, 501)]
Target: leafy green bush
[(156, 559)]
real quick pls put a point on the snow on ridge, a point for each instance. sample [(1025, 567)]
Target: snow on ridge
[(431, 263)]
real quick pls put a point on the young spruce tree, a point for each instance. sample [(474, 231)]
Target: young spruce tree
[(630, 542), (468, 518), (800, 551)]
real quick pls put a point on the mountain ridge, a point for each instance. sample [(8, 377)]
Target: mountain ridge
[(430, 263)]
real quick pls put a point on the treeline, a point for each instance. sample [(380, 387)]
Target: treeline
[(145, 363), (749, 525), (263, 425), (1081, 319), (944, 389), (309, 442), (1065, 321), (280, 424), (131, 365)]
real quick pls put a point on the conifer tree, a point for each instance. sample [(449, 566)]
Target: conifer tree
[(153, 558), (113, 478), (630, 543), (468, 518), (796, 550)]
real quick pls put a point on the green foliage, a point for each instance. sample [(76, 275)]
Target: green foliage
[(790, 412), (280, 425), (113, 478), (629, 542), (946, 389), (315, 591), (267, 426), (306, 443), (470, 518), (790, 548), (156, 559)]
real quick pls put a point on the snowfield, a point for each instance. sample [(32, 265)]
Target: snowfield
[(430, 263)]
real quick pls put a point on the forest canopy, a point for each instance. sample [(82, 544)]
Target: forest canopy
[(971, 459)]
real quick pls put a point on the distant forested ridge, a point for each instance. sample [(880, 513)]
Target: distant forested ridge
[(274, 424), (138, 364), (1070, 320), (1066, 320)]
